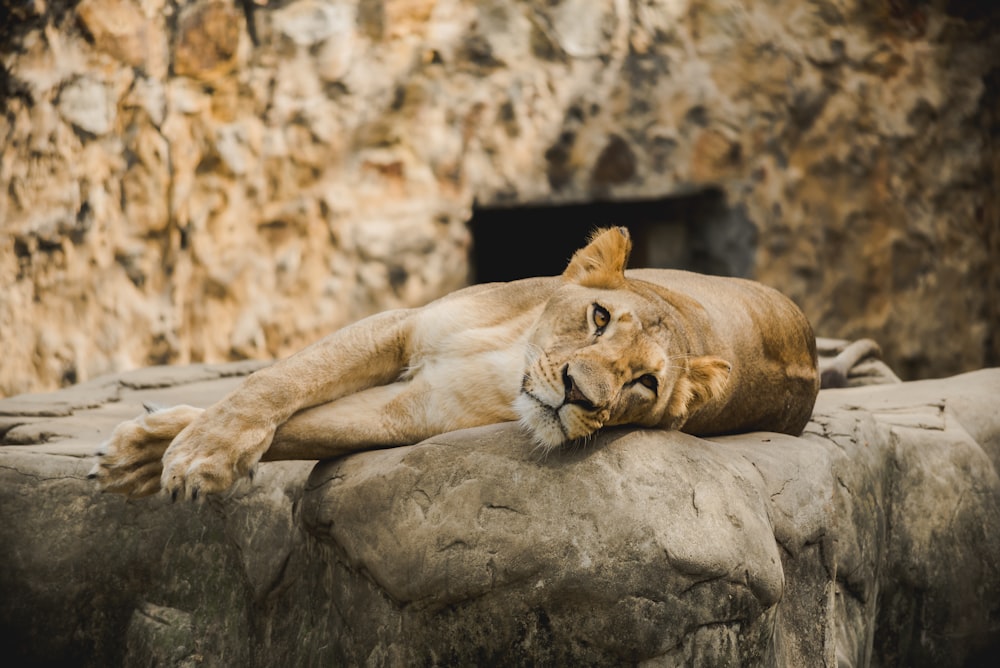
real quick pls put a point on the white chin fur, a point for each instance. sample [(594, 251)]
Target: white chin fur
[(541, 422)]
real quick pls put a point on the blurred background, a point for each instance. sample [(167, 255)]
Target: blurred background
[(211, 180)]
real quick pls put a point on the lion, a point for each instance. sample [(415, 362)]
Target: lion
[(565, 356)]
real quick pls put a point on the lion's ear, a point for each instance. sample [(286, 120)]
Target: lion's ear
[(601, 263), (704, 380)]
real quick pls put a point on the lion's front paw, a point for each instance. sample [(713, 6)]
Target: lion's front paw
[(130, 462), (211, 455)]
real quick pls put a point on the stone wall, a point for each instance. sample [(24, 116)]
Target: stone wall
[(212, 180)]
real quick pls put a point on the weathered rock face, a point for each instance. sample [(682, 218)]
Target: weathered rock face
[(872, 540), (187, 183)]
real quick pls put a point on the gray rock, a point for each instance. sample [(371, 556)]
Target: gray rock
[(872, 540), (159, 636)]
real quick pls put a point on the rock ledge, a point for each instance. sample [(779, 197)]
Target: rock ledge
[(873, 539)]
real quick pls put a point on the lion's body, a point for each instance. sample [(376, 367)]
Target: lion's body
[(769, 343), (565, 355)]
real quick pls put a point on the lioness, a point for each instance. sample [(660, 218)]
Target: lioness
[(565, 355)]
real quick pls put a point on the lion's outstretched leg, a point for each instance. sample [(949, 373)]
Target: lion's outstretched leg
[(224, 443), (209, 456), (130, 462)]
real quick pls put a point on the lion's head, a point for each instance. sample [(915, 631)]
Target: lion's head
[(606, 351)]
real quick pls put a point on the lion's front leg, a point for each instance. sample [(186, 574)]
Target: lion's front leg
[(130, 461), (207, 452)]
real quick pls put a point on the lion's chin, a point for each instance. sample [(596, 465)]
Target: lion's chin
[(541, 420)]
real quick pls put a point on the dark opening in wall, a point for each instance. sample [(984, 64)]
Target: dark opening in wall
[(698, 232)]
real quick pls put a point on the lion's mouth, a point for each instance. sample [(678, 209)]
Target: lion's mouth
[(554, 409), (541, 419)]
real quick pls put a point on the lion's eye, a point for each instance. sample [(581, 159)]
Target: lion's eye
[(648, 380), (601, 318)]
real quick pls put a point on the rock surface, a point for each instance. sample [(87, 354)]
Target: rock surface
[(187, 182), (872, 540)]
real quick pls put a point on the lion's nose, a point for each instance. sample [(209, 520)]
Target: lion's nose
[(573, 393)]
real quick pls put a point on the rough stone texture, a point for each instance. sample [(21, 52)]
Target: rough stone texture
[(872, 540), (184, 185)]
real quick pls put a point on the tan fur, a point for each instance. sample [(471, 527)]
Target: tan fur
[(566, 355)]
